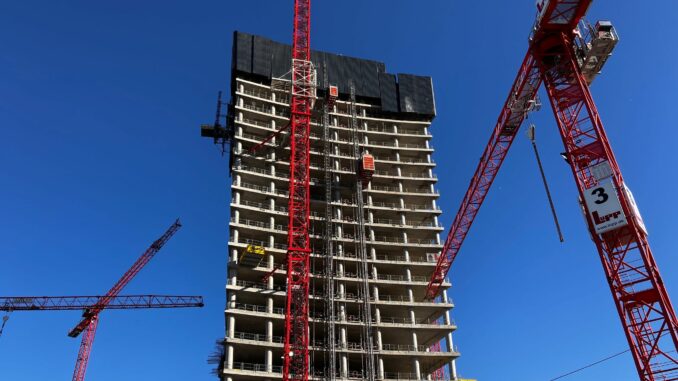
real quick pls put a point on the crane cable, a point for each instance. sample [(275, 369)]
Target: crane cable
[(590, 365)]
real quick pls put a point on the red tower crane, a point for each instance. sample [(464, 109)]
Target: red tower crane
[(91, 315), (295, 356), (566, 63)]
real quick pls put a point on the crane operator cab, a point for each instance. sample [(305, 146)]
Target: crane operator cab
[(594, 46)]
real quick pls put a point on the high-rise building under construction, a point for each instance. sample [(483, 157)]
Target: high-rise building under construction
[(375, 233)]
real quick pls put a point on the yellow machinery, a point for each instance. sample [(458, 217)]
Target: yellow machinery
[(252, 256)]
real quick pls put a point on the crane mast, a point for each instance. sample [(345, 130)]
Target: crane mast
[(295, 356), (641, 299)]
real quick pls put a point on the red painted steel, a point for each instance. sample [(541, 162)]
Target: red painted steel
[(91, 316), (644, 307), (295, 355), (60, 303), (511, 117), (85, 348), (438, 374), (638, 290)]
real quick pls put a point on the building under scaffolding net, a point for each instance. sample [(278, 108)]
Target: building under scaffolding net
[(374, 221)]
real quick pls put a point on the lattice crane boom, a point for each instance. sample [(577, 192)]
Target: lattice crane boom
[(126, 278), (643, 304), (295, 355), (519, 101), (91, 317), (120, 302)]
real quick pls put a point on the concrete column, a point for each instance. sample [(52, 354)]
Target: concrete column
[(229, 356), (236, 216), (241, 102), (450, 348), (236, 195), (239, 131), (417, 368), (269, 360), (380, 368), (373, 253), (410, 294), (342, 337), (377, 315), (231, 327), (269, 305), (269, 330), (236, 234), (241, 88), (234, 257), (413, 319), (344, 366), (379, 340), (415, 342), (375, 293), (342, 290), (406, 253)]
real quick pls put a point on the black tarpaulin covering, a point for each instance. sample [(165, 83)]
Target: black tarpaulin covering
[(407, 93)]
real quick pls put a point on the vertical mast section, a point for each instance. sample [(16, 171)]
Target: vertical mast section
[(364, 273), (642, 301), (330, 322), (296, 362)]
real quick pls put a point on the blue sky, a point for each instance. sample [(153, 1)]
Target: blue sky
[(100, 151)]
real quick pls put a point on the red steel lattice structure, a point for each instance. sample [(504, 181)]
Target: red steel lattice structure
[(295, 356), (91, 316), (643, 304)]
